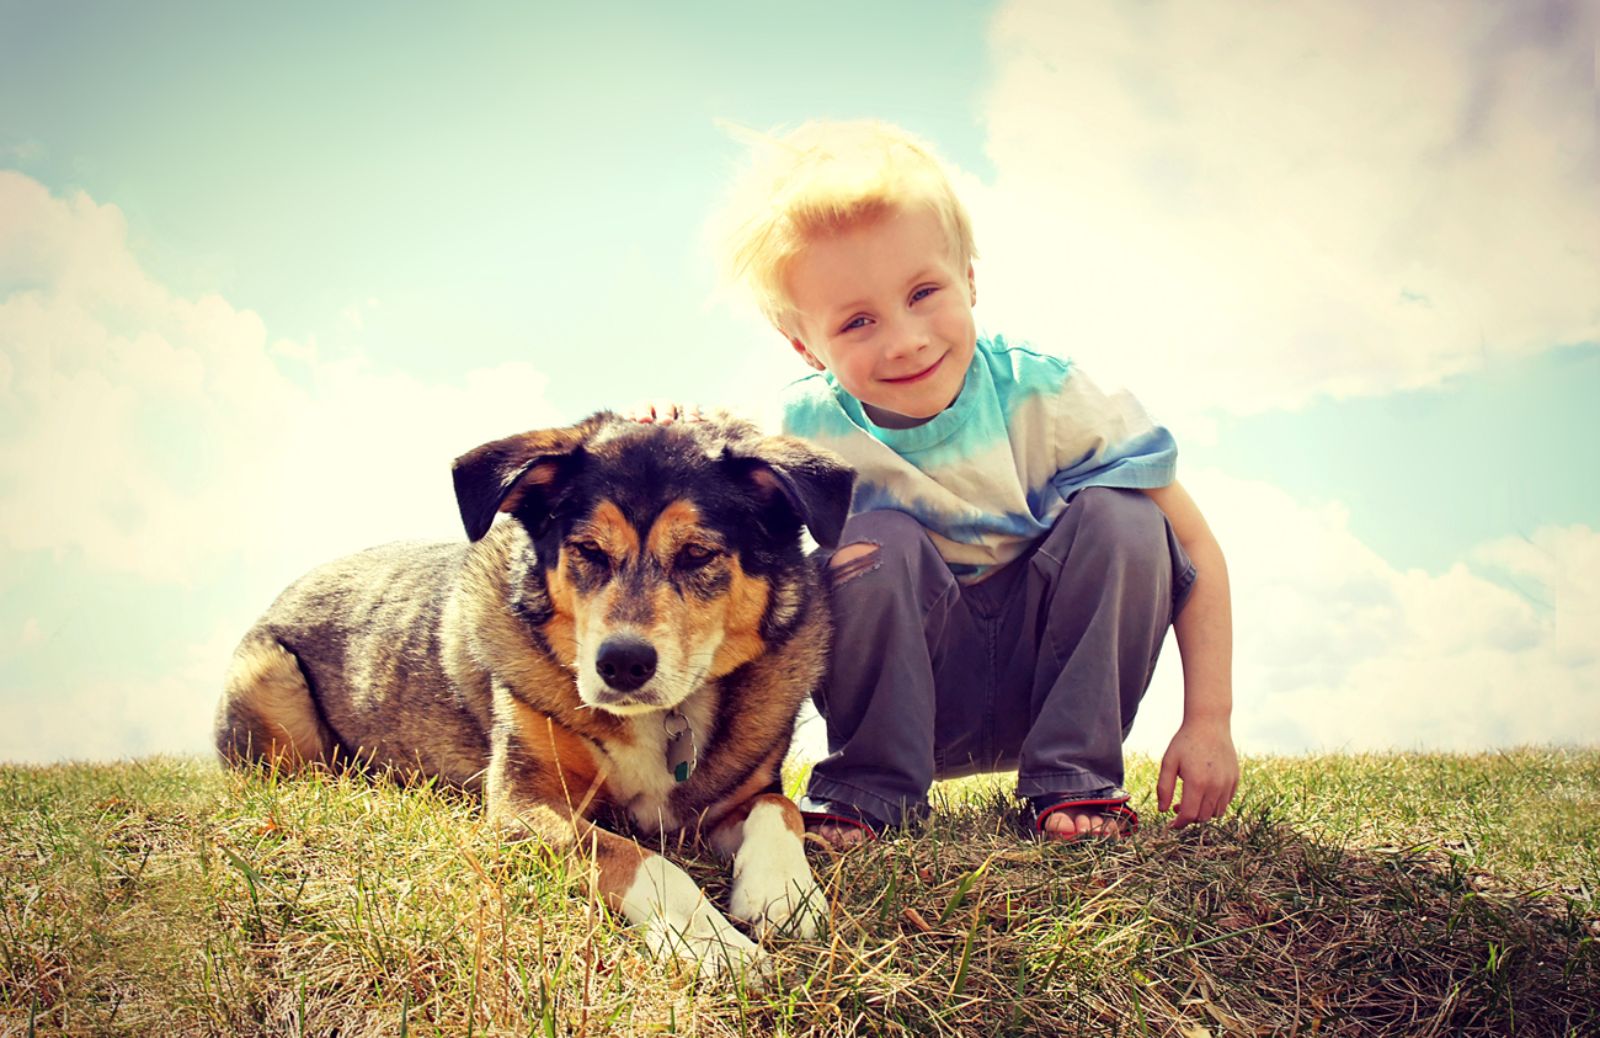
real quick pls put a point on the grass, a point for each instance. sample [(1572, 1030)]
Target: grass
[(1345, 895)]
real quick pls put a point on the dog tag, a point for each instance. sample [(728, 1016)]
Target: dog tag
[(682, 753)]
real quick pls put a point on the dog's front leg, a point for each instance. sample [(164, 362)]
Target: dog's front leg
[(520, 796), (676, 916), (773, 888), (650, 892)]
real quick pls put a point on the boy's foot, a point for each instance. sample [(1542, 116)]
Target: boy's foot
[(1102, 814), (837, 825), (1073, 824), (838, 837)]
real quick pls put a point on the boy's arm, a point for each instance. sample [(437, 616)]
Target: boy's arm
[(1202, 752)]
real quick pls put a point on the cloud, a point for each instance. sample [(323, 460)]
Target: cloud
[(1240, 207), (160, 435), (102, 718), (1337, 649), (149, 440)]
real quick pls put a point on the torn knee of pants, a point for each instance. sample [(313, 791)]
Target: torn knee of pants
[(851, 561)]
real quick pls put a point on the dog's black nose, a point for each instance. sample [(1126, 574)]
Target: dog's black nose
[(626, 663)]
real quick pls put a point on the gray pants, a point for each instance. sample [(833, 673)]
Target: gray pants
[(1038, 667)]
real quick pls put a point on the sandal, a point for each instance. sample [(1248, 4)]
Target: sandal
[(1109, 803), (818, 813)]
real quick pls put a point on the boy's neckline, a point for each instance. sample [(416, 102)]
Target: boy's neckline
[(898, 422), (925, 434)]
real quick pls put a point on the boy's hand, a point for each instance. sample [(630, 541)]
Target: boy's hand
[(1202, 755), (663, 412)]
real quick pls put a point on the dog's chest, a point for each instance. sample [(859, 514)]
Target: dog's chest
[(641, 775)]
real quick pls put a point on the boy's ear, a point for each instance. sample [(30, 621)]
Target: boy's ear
[(805, 354), (972, 286)]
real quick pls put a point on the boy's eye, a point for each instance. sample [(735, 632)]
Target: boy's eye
[(854, 323), (924, 292), (693, 556)]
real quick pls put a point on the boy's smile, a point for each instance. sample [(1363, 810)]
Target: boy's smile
[(919, 376), (886, 308)]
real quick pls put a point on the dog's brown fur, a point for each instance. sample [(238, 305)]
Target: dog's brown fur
[(481, 665)]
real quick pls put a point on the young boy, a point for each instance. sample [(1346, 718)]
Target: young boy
[(1018, 545)]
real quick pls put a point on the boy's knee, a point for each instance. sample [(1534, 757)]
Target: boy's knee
[(875, 539), (1121, 521), (851, 561)]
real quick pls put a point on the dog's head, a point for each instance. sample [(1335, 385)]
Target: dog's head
[(667, 554)]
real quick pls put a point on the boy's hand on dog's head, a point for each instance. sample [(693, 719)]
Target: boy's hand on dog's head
[(664, 412)]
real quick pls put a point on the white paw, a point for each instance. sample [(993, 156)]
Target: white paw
[(709, 946), (773, 888), (680, 922), (772, 902)]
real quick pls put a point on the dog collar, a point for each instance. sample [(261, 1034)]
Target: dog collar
[(682, 752)]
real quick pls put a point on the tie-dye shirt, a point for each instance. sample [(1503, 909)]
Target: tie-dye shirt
[(991, 473)]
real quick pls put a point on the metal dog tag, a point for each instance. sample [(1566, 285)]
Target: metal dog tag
[(682, 753)]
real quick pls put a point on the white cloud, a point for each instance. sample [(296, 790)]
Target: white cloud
[(1337, 649), (160, 435), (1560, 566), (1239, 206), (170, 439), (109, 718)]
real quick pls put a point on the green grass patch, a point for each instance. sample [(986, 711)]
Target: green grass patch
[(1350, 895)]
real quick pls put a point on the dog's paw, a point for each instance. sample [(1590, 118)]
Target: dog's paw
[(679, 922), (710, 947), (790, 905), (774, 890)]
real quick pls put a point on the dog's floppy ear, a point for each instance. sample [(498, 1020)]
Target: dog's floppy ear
[(815, 482), (498, 477)]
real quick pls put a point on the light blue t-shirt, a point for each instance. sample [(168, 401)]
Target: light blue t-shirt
[(990, 474)]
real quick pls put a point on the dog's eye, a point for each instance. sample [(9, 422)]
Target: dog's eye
[(590, 551), (693, 556)]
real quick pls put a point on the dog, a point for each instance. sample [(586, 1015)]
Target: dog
[(626, 650)]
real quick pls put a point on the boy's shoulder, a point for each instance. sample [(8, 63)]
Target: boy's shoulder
[(1075, 404), (812, 408), (1018, 368)]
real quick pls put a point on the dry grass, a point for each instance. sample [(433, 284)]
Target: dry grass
[(1346, 895)]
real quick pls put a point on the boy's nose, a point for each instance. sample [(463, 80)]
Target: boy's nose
[(907, 338)]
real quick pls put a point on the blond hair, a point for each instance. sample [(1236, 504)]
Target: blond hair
[(818, 180)]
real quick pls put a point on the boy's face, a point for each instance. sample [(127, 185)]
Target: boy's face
[(886, 308)]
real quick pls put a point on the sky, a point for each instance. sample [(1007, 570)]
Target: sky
[(265, 272)]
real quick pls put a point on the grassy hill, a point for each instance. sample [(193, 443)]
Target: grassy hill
[(1345, 895)]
